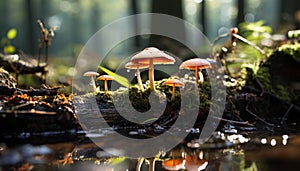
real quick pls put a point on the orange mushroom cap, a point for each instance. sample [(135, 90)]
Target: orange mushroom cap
[(174, 82), (174, 164), (195, 163), (234, 30), (158, 57), (105, 77), (194, 63)]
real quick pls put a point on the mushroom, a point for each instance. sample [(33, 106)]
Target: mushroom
[(105, 78), (174, 164), (152, 56), (174, 83), (92, 74), (211, 61), (233, 31), (196, 64), (195, 163), (137, 66)]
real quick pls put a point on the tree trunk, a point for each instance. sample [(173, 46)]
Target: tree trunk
[(241, 11), (173, 8)]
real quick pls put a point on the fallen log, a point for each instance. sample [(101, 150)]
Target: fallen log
[(21, 66), (4, 90)]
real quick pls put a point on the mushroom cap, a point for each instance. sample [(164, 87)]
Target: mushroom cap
[(174, 164), (90, 74), (105, 77), (211, 61), (195, 163), (158, 57), (194, 63), (234, 30), (174, 82), (131, 65)]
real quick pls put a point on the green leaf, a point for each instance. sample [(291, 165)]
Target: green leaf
[(117, 160), (9, 49), (120, 79), (11, 34)]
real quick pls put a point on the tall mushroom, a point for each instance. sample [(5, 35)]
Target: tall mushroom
[(196, 64), (174, 83), (152, 56), (137, 66), (105, 78), (92, 74)]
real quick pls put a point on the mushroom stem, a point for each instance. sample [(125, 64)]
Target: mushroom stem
[(139, 80), (151, 75), (93, 84), (152, 164), (173, 92), (197, 74), (139, 164), (201, 77), (105, 86)]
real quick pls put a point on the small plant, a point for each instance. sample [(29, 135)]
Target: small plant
[(46, 37), (8, 48)]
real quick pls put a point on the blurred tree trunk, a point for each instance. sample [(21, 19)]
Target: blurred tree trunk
[(134, 10), (241, 11), (203, 16), (31, 23), (169, 7)]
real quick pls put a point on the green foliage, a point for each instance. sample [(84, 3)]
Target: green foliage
[(293, 34), (120, 79), (11, 34), (9, 49), (5, 43), (255, 31), (248, 57), (290, 50), (117, 160)]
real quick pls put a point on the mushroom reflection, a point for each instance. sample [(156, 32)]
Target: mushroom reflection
[(194, 163)]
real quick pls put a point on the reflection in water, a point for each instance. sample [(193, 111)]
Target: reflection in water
[(222, 152)]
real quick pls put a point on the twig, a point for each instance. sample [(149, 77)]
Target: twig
[(234, 122), (249, 43), (286, 114), (257, 117), (214, 42), (41, 40), (260, 86)]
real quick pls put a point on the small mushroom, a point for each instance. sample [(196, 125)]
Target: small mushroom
[(196, 64), (137, 66), (233, 31), (174, 83), (152, 56), (92, 74), (195, 163), (105, 78), (174, 164)]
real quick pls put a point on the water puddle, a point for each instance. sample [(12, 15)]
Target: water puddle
[(223, 151)]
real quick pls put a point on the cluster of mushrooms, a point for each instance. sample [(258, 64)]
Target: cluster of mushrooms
[(152, 56)]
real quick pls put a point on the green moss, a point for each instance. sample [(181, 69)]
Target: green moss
[(290, 50)]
